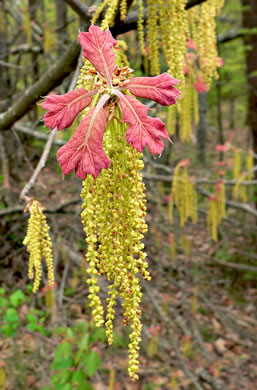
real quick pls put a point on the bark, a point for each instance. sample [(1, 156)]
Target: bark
[(53, 77), (201, 128), (61, 22), (4, 70), (34, 56), (250, 40)]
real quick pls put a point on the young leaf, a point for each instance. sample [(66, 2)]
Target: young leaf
[(97, 48), (160, 88), (92, 362), (143, 129), (62, 109), (84, 151)]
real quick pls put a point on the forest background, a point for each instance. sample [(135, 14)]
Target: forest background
[(199, 310)]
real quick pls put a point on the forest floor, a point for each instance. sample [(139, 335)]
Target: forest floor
[(199, 310)]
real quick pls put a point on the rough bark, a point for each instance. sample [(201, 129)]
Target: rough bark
[(4, 70), (249, 22), (61, 22)]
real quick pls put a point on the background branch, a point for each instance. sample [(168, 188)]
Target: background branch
[(53, 77)]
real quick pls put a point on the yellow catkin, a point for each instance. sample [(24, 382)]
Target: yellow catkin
[(120, 55), (185, 109), (202, 20), (216, 210), (243, 194), (140, 26), (249, 164), (123, 9), (171, 120), (113, 216), (39, 245), (110, 14), (174, 31), (236, 164), (99, 10), (153, 36), (221, 201), (212, 219), (183, 194)]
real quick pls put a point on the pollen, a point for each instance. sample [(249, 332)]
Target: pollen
[(113, 216), (39, 245)]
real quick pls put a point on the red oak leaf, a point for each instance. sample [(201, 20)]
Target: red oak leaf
[(84, 151), (97, 48), (62, 109), (159, 88), (143, 129)]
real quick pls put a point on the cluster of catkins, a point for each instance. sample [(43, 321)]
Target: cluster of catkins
[(106, 153)]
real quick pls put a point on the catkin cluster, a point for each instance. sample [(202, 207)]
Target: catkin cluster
[(39, 245), (202, 21), (239, 191), (216, 209), (113, 216), (188, 111), (183, 194)]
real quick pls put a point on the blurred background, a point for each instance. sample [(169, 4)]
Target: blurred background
[(199, 310)]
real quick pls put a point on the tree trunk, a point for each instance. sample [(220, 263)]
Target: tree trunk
[(61, 23), (5, 83), (249, 22)]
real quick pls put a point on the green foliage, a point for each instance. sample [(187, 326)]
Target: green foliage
[(75, 362), (9, 313), (34, 326)]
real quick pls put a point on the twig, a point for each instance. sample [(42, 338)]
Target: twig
[(36, 134), (40, 166), (8, 65), (63, 282), (229, 264), (43, 158), (19, 209), (230, 203), (23, 150), (169, 179)]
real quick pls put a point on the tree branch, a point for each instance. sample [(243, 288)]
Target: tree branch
[(53, 77), (20, 127), (230, 36), (44, 156), (168, 179), (130, 22), (193, 3), (81, 9)]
